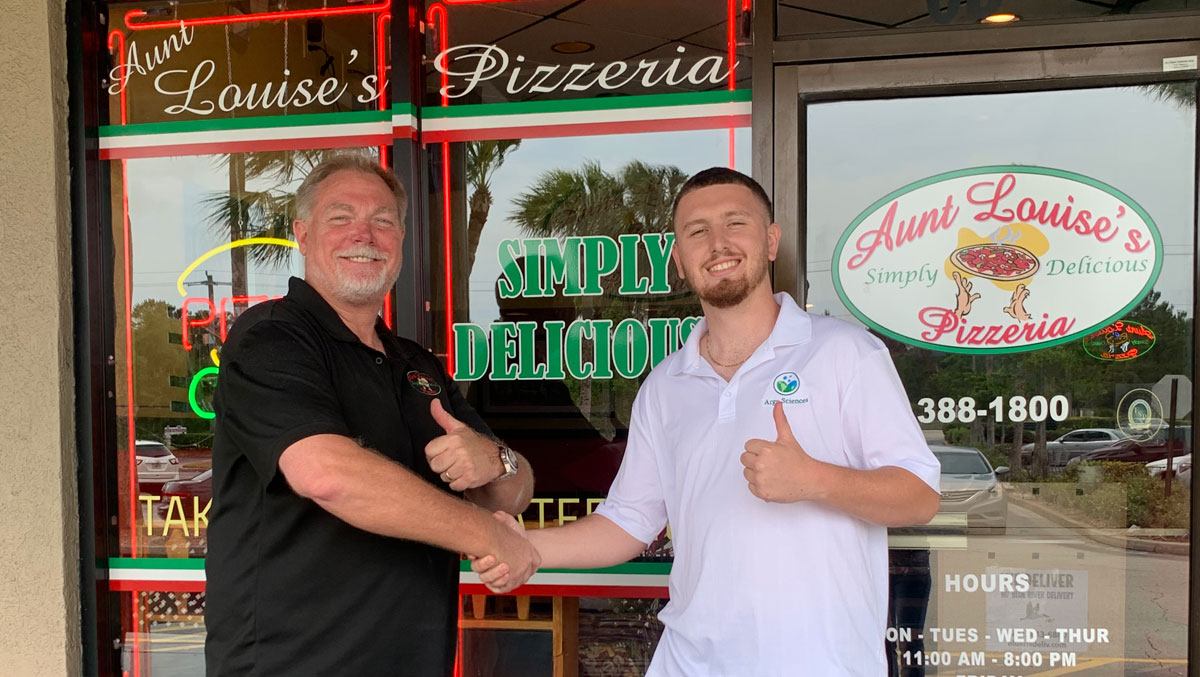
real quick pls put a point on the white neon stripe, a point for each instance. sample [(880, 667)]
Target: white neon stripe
[(252, 134), (949, 519), (624, 580), (938, 541), (117, 574), (586, 117), (404, 120)]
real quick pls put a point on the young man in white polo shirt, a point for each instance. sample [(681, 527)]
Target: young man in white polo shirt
[(779, 446)]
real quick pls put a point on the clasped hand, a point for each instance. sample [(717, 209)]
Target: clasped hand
[(498, 573)]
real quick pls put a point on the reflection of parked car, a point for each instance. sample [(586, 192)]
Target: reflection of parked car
[(199, 487), (1179, 464), (969, 485), (1142, 451), (1073, 444), (155, 463)]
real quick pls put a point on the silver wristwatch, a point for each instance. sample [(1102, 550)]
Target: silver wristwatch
[(509, 458)]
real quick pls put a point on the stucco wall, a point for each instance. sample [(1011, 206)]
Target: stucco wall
[(39, 595)]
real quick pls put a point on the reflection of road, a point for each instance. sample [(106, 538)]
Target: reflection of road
[(1152, 619), (172, 650)]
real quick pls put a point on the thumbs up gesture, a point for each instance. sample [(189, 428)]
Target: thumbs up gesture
[(463, 458), (780, 471)]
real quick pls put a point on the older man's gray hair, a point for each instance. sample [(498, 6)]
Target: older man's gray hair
[(307, 193)]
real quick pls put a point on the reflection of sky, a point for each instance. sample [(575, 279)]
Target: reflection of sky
[(169, 231), (860, 151), (689, 151)]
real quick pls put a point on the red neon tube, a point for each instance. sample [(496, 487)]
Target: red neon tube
[(435, 12), (380, 82), (731, 36), (131, 437), (244, 18)]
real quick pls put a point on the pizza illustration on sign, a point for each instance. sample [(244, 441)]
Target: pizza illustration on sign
[(996, 261)]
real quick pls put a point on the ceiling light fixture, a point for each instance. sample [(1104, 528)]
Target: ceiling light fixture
[(999, 19), (572, 47)]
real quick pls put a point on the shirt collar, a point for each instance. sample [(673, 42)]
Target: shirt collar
[(793, 326), (302, 293)]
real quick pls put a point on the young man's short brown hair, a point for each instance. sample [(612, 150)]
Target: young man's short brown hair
[(721, 176)]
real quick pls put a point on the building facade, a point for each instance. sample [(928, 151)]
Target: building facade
[(1004, 192)]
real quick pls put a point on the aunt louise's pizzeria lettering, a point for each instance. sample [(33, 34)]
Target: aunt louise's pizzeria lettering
[(997, 259)]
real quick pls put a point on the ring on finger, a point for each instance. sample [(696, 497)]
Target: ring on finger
[(446, 477)]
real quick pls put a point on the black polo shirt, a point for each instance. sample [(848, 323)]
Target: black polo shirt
[(293, 590)]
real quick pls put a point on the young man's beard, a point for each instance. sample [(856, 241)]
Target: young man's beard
[(729, 293)]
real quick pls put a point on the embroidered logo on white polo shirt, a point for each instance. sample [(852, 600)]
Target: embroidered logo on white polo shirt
[(787, 386), (787, 383)]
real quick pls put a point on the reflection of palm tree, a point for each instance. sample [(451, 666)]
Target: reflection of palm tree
[(592, 202), (483, 159), (636, 199), (1182, 95), (242, 213)]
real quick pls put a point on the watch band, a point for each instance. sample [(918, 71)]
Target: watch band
[(508, 457)]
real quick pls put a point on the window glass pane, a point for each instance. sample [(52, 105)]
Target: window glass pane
[(817, 17), (1028, 260)]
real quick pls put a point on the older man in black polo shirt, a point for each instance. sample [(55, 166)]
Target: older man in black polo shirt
[(342, 458)]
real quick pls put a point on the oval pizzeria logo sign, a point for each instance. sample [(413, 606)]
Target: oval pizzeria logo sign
[(997, 259)]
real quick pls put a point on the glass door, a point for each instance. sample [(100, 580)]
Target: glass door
[(1029, 258)]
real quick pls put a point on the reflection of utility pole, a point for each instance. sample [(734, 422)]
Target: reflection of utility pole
[(212, 285)]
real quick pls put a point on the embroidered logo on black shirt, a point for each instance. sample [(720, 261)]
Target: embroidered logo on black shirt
[(423, 383)]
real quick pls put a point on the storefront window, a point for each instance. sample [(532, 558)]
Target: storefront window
[(1028, 259), (554, 138), (214, 119), (824, 17), (558, 137)]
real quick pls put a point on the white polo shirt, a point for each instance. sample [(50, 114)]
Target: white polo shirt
[(763, 588)]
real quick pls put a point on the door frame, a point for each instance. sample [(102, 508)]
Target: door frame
[(798, 86), (792, 74)]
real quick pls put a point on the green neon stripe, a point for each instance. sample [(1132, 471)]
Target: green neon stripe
[(644, 568), (265, 121), (583, 105), (404, 109), (188, 564), (195, 563)]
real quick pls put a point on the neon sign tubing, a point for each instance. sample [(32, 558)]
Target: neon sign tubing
[(245, 18), (436, 11), (731, 36), (119, 38)]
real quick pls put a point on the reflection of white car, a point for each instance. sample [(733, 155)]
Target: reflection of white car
[(1180, 465), (969, 485), (155, 463)]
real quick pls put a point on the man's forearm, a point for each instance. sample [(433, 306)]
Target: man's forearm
[(890, 496), (511, 495), (373, 493)]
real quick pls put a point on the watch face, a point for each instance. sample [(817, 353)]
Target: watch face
[(509, 459)]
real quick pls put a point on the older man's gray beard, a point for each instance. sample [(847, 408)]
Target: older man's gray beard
[(729, 293), (357, 291)]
